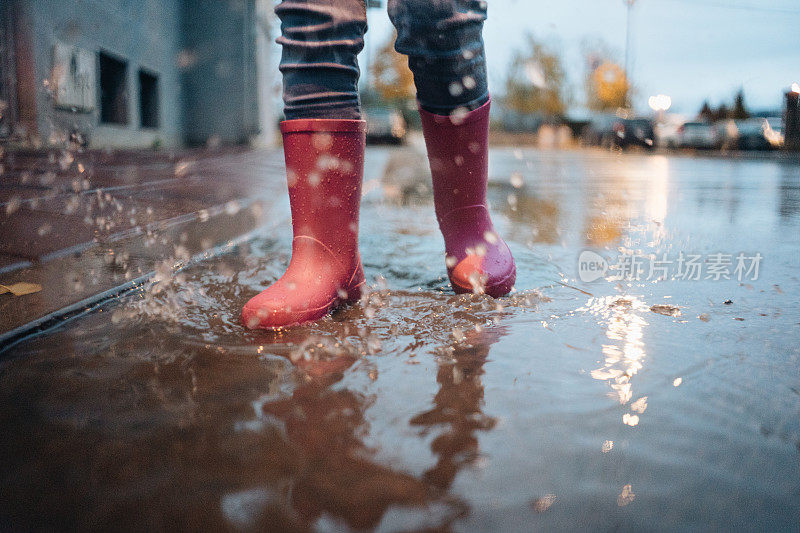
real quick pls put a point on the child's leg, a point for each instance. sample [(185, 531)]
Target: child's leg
[(320, 40), (443, 41), (323, 142)]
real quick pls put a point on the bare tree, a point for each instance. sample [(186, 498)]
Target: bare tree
[(606, 85)]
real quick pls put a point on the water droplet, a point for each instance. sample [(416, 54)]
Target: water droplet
[(626, 496), (12, 205), (322, 141), (232, 207), (458, 115), (478, 282), (640, 405), (542, 504), (72, 204), (47, 178), (291, 177), (65, 161), (630, 419), (182, 167)]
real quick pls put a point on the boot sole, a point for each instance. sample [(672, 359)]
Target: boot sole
[(495, 290)]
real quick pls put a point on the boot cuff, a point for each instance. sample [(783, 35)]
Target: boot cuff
[(323, 125), (457, 119)]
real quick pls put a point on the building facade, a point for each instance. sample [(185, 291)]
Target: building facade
[(133, 73)]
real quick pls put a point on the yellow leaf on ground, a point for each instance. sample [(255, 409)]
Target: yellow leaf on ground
[(20, 289)]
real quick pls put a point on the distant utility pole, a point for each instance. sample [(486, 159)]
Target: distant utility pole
[(791, 119), (629, 4)]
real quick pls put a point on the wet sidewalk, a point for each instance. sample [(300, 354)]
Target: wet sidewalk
[(85, 226), (645, 374)]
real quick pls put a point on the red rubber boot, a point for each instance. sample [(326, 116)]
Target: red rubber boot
[(477, 259), (324, 165)]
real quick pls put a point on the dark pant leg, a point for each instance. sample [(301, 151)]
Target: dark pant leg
[(320, 40), (443, 42)]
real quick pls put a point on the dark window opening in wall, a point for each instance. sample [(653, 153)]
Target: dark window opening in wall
[(148, 99), (113, 90)]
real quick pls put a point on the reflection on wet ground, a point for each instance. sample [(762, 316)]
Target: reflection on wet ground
[(614, 404)]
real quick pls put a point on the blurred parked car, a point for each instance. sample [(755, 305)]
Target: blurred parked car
[(700, 136), (609, 131), (385, 124)]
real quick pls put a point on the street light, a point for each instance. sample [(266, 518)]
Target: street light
[(629, 4), (660, 102), (791, 119)]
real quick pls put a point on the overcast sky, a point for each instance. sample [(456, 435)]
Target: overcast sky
[(688, 49)]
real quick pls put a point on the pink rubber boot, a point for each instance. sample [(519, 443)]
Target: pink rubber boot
[(324, 165), (477, 259)]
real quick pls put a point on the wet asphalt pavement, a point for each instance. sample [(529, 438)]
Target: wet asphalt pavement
[(663, 395)]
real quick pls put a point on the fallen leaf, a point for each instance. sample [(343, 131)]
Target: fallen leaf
[(20, 289), (666, 310)]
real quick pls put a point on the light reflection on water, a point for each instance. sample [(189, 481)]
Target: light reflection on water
[(625, 355), (419, 409)]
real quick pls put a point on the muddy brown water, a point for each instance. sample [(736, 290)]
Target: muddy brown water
[(612, 404)]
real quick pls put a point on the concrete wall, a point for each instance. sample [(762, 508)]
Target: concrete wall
[(146, 33), (220, 80), (215, 62)]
